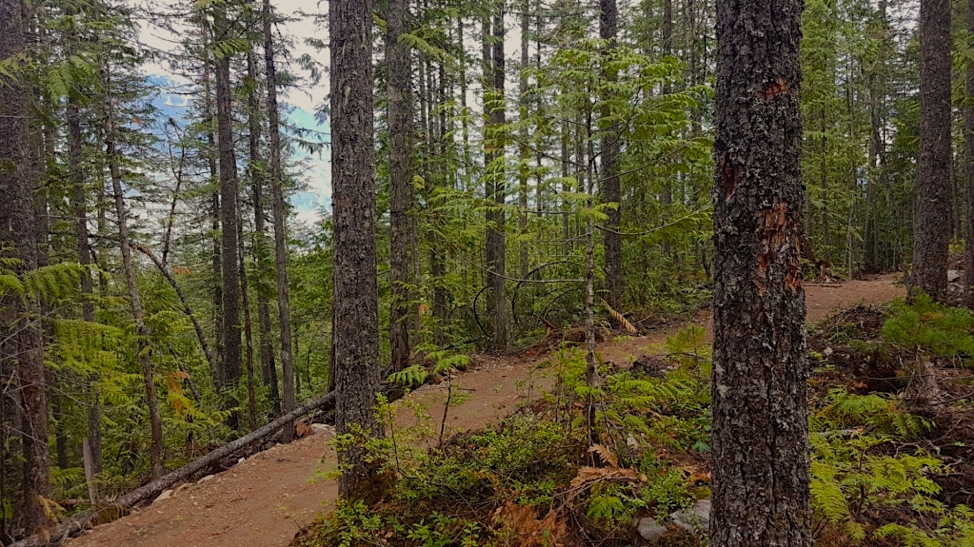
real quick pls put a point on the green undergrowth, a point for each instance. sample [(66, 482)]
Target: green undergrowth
[(539, 479)]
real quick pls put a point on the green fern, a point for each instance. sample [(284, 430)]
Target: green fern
[(55, 282), (879, 413), (605, 507), (412, 376), (928, 326)]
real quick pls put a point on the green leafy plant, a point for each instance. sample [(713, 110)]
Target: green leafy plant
[(854, 473), (930, 327)]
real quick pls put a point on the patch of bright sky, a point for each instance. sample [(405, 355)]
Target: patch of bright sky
[(313, 169), (300, 25)]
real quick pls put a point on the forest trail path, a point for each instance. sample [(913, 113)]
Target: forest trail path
[(265, 500)]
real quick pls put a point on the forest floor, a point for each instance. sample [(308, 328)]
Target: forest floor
[(265, 500)]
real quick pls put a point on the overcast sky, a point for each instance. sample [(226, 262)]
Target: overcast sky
[(299, 26), (303, 22)]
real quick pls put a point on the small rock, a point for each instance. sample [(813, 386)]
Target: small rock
[(318, 429), (695, 518), (241, 460), (166, 494), (204, 479), (954, 275), (649, 529)]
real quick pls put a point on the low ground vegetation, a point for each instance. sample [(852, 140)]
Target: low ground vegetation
[(891, 437)]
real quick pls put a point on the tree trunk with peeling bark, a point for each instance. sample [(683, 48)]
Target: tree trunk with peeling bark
[(609, 175), (760, 371)]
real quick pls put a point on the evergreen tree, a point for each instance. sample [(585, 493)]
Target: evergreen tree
[(932, 230), (401, 202), (760, 373), (356, 314), (22, 347)]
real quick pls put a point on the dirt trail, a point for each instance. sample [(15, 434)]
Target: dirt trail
[(265, 500)]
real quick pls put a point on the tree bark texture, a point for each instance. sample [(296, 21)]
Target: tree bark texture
[(17, 231), (760, 408), (356, 302), (280, 212), (609, 176), (931, 231), (228, 220), (400, 119), (495, 105)]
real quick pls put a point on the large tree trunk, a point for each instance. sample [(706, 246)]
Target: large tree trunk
[(268, 369), (141, 331), (280, 212), (356, 303), (400, 114), (609, 176), (931, 233), (17, 230), (494, 104), (760, 407), (228, 219)]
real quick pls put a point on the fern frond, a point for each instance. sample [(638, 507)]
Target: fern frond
[(412, 376), (606, 455)]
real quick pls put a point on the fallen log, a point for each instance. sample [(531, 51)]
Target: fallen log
[(83, 520)]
